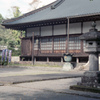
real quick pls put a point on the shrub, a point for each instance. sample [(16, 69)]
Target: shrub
[(3, 62)]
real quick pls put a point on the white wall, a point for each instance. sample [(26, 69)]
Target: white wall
[(46, 31), (15, 59), (60, 29), (98, 25), (31, 30), (86, 26), (74, 28)]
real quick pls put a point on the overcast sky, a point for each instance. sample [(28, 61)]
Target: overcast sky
[(5, 5)]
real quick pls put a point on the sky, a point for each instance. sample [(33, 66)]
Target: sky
[(5, 6)]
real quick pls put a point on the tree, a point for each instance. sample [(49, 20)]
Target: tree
[(3, 39), (1, 18), (34, 4), (16, 34), (16, 11), (8, 37)]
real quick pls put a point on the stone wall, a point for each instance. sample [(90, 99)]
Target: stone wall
[(15, 59)]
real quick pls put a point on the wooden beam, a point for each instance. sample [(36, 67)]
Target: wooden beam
[(66, 37)]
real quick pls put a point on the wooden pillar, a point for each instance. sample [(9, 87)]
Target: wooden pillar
[(81, 27), (68, 36), (33, 49), (82, 46), (82, 40), (53, 39), (40, 40)]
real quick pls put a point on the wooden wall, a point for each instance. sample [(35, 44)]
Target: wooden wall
[(26, 47), (53, 39)]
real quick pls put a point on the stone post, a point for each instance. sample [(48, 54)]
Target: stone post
[(61, 59), (47, 59), (93, 62)]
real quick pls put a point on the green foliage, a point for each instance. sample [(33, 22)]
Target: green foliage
[(11, 44), (10, 38), (0, 39), (0, 61), (1, 18), (3, 62), (16, 52), (16, 34), (16, 11)]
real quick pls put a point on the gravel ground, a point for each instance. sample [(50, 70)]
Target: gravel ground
[(45, 90)]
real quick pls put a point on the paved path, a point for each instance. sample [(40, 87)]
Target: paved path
[(46, 83), (33, 78), (31, 74), (46, 90)]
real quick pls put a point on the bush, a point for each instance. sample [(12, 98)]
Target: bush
[(3, 62), (0, 61), (15, 52)]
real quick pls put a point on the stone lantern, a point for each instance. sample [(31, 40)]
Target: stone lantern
[(67, 58), (91, 78)]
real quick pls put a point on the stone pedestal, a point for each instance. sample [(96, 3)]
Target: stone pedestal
[(93, 62), (67, 66), (90, 79)]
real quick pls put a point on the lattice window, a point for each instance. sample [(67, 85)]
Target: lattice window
[(84, 44), (46, 44), (74, 43), (60, 43)]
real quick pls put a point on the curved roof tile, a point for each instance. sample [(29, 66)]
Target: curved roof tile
[(66, 8)]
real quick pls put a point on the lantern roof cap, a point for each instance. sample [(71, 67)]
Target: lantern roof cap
[(93, 34)]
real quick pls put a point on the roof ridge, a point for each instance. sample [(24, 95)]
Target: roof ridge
[(56, 4), (29, 13)]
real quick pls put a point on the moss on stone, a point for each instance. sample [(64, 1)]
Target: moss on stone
[(83, 88)]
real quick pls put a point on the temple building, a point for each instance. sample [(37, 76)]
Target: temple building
[(54, 30)]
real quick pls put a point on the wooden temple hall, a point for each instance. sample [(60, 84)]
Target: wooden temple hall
[(54, 30)]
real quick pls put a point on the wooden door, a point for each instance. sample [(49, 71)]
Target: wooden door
[(26, 46)]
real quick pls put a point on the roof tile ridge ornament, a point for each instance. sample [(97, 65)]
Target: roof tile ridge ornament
[(57, 3)]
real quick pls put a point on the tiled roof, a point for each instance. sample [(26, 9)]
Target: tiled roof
[(59, 9)]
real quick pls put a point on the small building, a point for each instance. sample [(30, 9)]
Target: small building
[(55, 30)]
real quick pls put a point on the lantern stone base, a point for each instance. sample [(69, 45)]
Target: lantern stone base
[(67, 66), (86, 89), (91, 79)]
